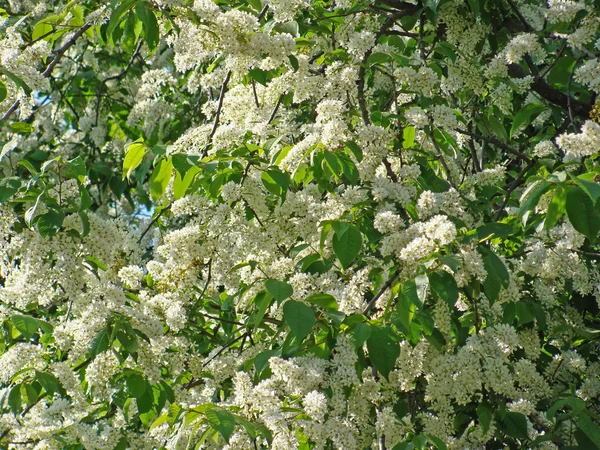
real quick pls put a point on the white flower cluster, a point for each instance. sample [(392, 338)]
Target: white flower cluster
[(521, 45), (586, 143)]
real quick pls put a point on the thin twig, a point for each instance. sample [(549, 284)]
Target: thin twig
[(61, 51), (218, 113), (360, 83), (553, 63), (496, 142), (262, 13), (153, 221), (208, 277), (274, 112), (440, 153), (116, 77), (254, 92), (513, 186), (384, 288), (46, 73), (522, 19)]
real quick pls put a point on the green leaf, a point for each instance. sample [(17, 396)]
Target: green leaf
[(515, 425), (131, 31), (355, 150), (48, 224), (526, 115), (133, 157), (136, 385), (259, 76), (346, 245), (531, 197), (299, 317), (276, 182), (85, 223), (8, 187), (378, 58), (323, 300), (582, 214), (413, 293), (75, 168), (383, 349), (21, 127), (262, 359), (262, 300), (556, 208), (15, 79), (360, 334), (591, 430), (444, 285), (3, 91), (437, 442), (159, 180), (100, 343), (408, 137), (280, 290), (484, 414), (494, 230), (182, 183), (85, 201), (151, 32), (26, 325), (497, 274), (48, 381), (497, 127), (591, 188), (294, 62), (116, 17), (128, 341), (14, 399), (222, 421), (404, 314)]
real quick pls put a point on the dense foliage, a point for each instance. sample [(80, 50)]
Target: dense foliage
[(299, 224)]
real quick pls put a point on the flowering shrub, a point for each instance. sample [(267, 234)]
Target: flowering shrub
[(302, 224)]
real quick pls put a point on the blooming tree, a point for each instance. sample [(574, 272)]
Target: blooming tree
[(287, 224)]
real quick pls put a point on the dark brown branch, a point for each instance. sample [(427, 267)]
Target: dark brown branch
[(116, 77), (208, 278), (360, 83), (516, 183), (440, 153), (515, 9), (218, 113), (547, 92), (46, 73), (254, 92), (262, 13), (153, 221), (274, 112), (61, 51), (384, 288), (400, 33), (496, 142)]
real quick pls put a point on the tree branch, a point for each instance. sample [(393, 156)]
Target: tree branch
[(217, 114), (496, 142), (384, 288), (116, 77), (540, 86), (516, 183), (46, 73)]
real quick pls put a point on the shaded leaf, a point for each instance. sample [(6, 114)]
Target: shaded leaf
[(383, 349), (299, 317), (346, 245)]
